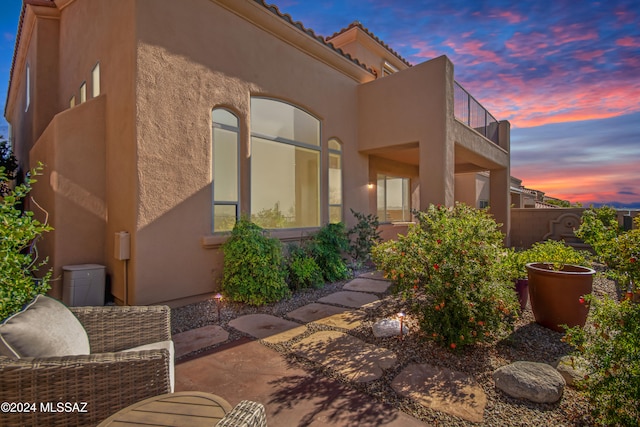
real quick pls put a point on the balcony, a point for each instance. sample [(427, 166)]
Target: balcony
[(473, 114)]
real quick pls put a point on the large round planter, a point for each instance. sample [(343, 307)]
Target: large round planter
[(555, 295)]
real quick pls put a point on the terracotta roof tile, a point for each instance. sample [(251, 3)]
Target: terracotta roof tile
[(274, 9), (373, 36)]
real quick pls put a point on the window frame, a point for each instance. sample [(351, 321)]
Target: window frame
[(335, 152), (214, 202), (290, 142), (406, 196)]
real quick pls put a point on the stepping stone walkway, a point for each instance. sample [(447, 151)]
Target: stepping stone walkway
[(443, 390), (350, 299), (437, 388), (350, 356)]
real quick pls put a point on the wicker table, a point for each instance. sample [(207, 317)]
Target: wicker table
[(185, 408)]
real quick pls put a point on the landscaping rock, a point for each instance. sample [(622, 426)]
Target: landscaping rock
[(571, 368), (537, 382), (388, 328)]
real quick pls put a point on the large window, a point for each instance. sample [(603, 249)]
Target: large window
[(285, 165), (394, 203), (335, 181), (225, 169)]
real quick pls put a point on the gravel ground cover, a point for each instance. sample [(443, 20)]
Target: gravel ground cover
[(528, 341)]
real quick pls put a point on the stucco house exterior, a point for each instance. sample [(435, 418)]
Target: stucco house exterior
[(168, 119)]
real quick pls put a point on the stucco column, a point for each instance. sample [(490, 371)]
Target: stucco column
[(437, 146), (500, 186)]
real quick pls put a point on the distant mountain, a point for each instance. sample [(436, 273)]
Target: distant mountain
[(617, 205)]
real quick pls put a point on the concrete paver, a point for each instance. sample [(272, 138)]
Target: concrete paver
[(352, 357), (265, 326), (367, 285), (314, 311), (348, 320), (196, 339), (350, 299), (379, 275), (443, 390)]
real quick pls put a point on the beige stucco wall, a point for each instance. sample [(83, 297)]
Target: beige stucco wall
[(193, 56), (72, 189)]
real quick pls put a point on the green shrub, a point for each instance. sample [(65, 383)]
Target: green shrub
[(556, 253), (363, 235), (303, 271), (326, 248), (253, 266), (610, 344), (448, 267), (18, 234)]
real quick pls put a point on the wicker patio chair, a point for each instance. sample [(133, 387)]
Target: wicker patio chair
[(105, 380)]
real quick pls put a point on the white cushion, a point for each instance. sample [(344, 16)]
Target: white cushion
[(45, 328), (168, 345)]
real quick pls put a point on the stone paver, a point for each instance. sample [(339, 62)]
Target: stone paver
[(196, 339), (379, 275), (315, 311), (350, 299), (264, 326), (348, 320), (443, 390), (367, 285), (350, 356)]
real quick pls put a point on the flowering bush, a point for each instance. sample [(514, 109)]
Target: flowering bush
[(610, 344), (619, 250), (555, 253), (448, 268)]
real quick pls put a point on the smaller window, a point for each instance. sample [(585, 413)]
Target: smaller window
[(95, 81), (394, 203), (335, 181), (484, 204), (28, 89), (388, 69), (226, 136), (72, 102), (83, 92)]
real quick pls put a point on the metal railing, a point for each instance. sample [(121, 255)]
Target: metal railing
[(473, 114)]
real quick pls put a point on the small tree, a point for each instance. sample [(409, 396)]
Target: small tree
[(10, 164), (448, 267), (363, 236), (18, 233)]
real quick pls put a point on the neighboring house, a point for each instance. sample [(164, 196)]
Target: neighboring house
[(168, 119)]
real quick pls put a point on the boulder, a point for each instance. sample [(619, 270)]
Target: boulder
[(537, 382), (571, 368), (388, 328)]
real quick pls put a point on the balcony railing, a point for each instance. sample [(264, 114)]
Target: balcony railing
[(473, 114)]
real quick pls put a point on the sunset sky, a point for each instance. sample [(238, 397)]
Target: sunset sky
[(566, 74)]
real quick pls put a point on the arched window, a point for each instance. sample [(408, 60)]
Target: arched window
[(285, 165), (335, 181), (225, 169)]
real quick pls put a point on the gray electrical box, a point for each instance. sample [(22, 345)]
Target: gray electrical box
[(83, 285)]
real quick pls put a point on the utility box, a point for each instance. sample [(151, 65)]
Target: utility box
[(83, 285)]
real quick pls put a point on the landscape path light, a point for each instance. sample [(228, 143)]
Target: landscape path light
[(218, 298), (401, 316)]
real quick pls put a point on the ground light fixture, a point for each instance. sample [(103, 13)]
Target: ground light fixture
[(401, 317), (218, 298)]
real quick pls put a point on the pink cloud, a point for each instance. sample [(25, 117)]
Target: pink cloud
[(563, 34), (588, 56), (628, 42)]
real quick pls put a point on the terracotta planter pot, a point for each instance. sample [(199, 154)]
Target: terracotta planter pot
[(555, 294)]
